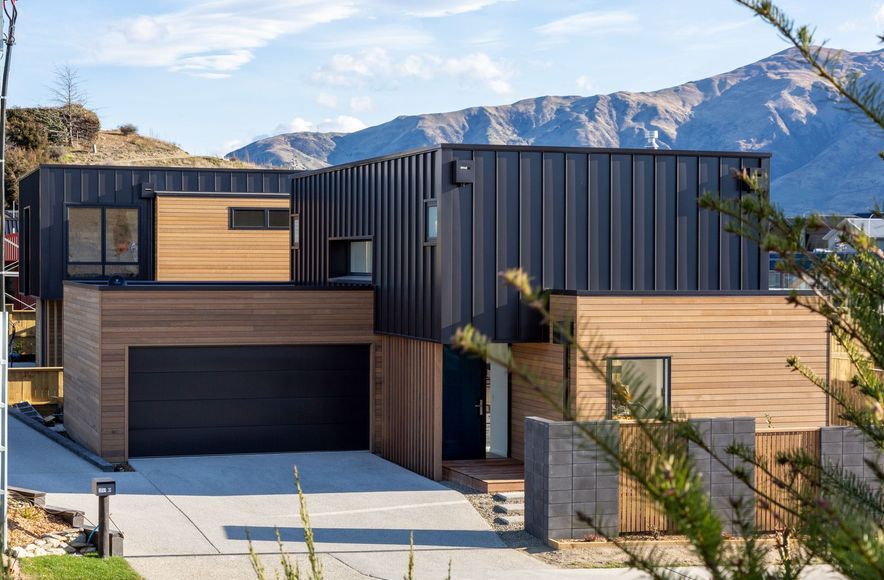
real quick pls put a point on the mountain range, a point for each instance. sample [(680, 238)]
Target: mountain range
[(825, 156)]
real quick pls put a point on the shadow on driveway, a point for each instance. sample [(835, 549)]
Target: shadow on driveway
[(370, 536)]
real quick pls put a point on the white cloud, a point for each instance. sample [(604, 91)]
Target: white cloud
[(211, 37), (879, 16), (361, 104), (450, 7), (342, 124), (377, 68), (339, 124), (327, 100), (584, 83), (591, 23), (481, 67)]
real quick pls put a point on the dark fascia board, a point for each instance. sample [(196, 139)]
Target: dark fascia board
[(682, 293), (163, 168), (530, 148), (609, 150), (234, 194), (137, 285)]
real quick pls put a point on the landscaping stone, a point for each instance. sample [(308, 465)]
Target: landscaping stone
[(69, 542), (509, 520)]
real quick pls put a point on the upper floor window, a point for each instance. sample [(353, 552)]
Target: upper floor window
[(258, 218), (431, 221), (102, 242), (350, 260)]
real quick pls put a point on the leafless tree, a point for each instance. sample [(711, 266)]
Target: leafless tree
[(68, 93)]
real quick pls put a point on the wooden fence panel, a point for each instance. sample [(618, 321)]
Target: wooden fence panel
[(768, 444), (37, 385), (638, 513)]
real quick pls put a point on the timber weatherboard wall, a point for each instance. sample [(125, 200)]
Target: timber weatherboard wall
[(573, 218), (103, 322), (195, 242), (728, 352)]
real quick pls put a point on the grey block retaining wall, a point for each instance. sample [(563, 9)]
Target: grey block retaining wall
[(848, 447), (565, 473)]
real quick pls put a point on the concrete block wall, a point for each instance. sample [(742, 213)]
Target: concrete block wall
[(722, 487), (565, 474), (848, 447)]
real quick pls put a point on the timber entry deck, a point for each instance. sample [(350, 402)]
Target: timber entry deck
[(486, 475)]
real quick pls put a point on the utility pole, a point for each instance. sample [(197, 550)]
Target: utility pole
[(11, 12)]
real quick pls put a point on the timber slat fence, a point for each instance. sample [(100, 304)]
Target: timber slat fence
[(768, 445), (638, 513), (37, 385)]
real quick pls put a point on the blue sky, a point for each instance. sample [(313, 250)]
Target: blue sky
[(212, 75)]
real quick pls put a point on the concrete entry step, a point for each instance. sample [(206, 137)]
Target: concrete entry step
[(509, 496), (509, 520), (510, 508)]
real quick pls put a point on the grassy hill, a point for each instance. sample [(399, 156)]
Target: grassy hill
[(115, 148)]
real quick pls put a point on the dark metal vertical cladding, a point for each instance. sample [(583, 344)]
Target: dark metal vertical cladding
[(749, 250), (763, 262), (484, 244), (531, 234), (457, 204), (686, 200), (730, 243), (643, 222), (599, 221), (621, 222), (576, 216), (507, 210), (709, 226), (665, 228), (554, 229)]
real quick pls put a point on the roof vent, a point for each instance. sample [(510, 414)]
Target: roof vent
[(651, 139)]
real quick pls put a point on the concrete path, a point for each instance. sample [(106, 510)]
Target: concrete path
[(191, 517)]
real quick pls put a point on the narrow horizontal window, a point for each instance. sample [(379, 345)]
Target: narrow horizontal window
[(258, 218)]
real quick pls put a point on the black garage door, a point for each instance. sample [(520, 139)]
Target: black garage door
[(248, 399)]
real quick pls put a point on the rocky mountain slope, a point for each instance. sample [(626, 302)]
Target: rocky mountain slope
[(824, 156)]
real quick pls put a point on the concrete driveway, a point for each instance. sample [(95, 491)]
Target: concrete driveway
[(191, 517)]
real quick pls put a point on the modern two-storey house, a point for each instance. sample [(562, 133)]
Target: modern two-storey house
[(389, 256)]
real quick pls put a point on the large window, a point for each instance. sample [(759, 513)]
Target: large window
[(641, 381), (258, 218), (102, 242), (350, 259)]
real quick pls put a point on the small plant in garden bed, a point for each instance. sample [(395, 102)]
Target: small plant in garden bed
[(77, 568)]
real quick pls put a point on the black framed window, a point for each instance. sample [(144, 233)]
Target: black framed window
[(639, 383), (102, 242), (296, 231), (258, 218), (350, 258), (431, 221)]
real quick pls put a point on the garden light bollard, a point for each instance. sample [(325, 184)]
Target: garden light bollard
[(104, 487)]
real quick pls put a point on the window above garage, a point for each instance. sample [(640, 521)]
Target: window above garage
[(102, 242), (258, 218), (350, 260)]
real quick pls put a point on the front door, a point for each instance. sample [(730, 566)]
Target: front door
[(463, 406)]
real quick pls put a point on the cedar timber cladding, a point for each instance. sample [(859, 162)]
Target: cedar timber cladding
[(728, 353), (411, 405), (195, 242), (585, 219), (157, 316), (545, 362)]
